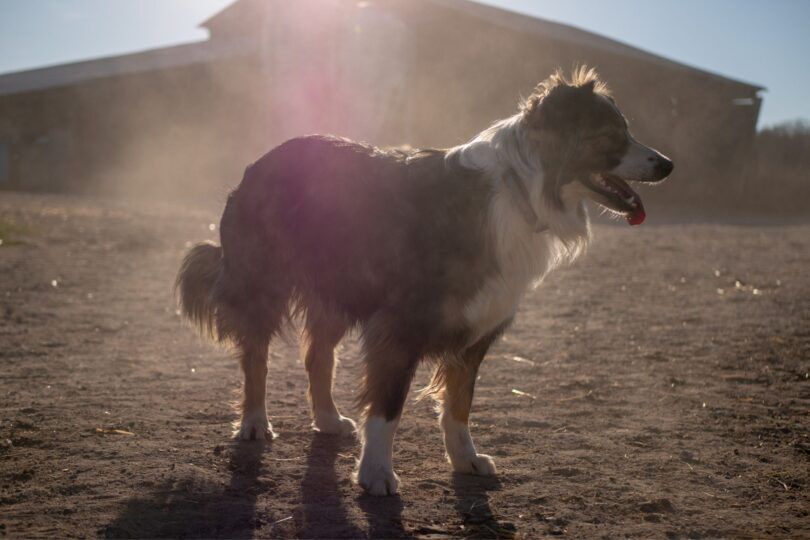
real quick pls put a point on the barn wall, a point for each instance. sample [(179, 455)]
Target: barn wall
[(158, 131)]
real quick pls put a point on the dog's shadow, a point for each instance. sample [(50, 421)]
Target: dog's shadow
[(384, 516), (323, 513), (193, 506), (325, 492), (472, 505), (196, 507)]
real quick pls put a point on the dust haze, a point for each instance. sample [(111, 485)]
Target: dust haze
[(183, 122), (659, 387)]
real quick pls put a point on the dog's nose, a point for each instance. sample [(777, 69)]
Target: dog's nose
[(664, 167)]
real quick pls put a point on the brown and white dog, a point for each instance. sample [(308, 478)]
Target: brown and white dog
[(426, 252)]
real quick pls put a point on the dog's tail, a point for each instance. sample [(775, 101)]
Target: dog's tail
[(195, 285)]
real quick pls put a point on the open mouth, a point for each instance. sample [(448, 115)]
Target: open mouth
[(616, 195)]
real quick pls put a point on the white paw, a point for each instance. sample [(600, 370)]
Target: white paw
[(334, 423), (255, 427), (377, 479), (479, 464)]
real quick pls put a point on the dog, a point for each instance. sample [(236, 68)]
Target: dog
[(426, 252)]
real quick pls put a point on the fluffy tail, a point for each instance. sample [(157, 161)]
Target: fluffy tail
[(195, 286)]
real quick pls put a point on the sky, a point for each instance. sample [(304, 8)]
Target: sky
[(766, 42)]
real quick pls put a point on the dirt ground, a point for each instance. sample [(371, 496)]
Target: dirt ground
[(657, 388)]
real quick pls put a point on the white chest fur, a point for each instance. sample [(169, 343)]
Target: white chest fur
[(523, 257)]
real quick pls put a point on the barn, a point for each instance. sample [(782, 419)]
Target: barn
[(188, 118)]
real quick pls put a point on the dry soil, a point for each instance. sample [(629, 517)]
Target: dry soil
[(657, 388)]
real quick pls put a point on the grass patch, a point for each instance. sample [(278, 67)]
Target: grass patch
[(10, 234)]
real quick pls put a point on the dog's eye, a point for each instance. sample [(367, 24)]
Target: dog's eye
[(605, 137)]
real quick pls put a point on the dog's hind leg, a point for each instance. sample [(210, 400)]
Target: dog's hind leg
[(254, 423), (253, 291), (389, 371), (322, 335), (457, 382), (250, 325)]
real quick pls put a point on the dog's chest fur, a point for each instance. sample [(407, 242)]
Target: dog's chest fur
[(522, 256)]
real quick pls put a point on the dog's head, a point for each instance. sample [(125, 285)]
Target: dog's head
[(581, 136)]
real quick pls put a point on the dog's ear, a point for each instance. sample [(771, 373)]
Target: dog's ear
[(561, 108), (555, 122)]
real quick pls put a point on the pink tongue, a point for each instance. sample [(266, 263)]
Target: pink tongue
[(638, 215)]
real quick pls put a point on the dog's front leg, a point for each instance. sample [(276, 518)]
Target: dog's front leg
[(388, 378), (323, 335), (456, 400), (375, 472)]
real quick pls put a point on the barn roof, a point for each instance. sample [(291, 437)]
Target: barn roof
[(571, 34), (233, 14), (236, 13), (138, 62)]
